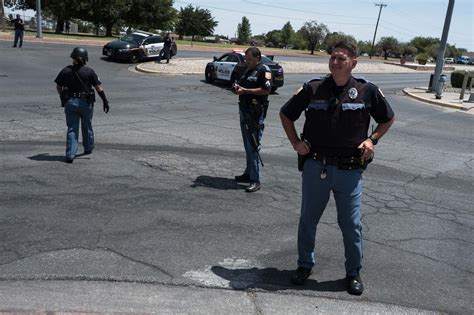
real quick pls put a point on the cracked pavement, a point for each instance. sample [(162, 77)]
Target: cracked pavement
[(156, 203)]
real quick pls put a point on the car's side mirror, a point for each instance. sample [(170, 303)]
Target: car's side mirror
[(215, 58)]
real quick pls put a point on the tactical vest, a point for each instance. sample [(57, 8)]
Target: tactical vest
[(253, 79), (337, 118)]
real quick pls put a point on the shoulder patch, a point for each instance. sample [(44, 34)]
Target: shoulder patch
[(268, 75)]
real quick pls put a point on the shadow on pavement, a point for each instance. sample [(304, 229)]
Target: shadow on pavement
[(272, 279), (45, 157), (216, 183)]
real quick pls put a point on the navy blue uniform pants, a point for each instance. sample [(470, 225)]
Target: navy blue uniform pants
[(347, 186)]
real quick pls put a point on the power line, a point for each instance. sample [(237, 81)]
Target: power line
[(381, 5), (307, 11), (268, 15)]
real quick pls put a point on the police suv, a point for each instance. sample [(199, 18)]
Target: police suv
[(137, 46), (231, 66)]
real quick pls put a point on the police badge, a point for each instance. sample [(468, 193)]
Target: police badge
[(353, 93)]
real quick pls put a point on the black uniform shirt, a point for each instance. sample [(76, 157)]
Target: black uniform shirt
[(18, 24), (167, 42), (67, 78), (338, 118), (260, 77)]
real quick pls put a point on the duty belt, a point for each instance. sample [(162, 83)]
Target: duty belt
[(343, 163), (80, 94)]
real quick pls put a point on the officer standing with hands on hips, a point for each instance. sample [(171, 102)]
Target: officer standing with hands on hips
[(336, 149), (74, 84), (253, 89)]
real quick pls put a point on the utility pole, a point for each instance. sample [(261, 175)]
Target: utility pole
[(2, 13), (381, 5), (442, 46), (39, 22)]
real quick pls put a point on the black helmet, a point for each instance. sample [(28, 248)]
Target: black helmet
[(80, 52)]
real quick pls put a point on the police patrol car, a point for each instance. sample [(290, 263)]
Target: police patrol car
[(231, 66), (137, 46)]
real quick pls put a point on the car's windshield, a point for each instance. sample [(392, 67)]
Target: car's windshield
[(133, 38)]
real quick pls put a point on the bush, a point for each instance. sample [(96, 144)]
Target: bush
[(458, 76), (422, 58)]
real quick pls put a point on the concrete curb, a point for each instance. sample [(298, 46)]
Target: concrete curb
[(436, 102), (141, 68)]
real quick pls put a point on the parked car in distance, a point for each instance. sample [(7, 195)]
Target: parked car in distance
[(231, 66), (137, 46), (448, 60), (464, 60)]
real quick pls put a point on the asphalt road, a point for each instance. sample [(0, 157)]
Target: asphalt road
[(156, 202)]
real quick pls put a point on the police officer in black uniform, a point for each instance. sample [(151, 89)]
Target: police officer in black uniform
[(74, 84), (19, 26), (337, 148), (253, 89), (165, 52)]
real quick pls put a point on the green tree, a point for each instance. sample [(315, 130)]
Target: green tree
[(287, 34), (408, 50), (61, 10), (432, 50), (149, 14), (273, 38), (107, 13), (332, 38), (243, 31), (299, 42), (421, 42), (313, 33), (388, 45), (364, 47), (195, 21)]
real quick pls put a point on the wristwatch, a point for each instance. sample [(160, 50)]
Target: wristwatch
[(373, 139)]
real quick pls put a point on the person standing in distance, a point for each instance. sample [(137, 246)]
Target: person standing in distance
[(19, 30), (165, 52), (253, 89), (74, 84), (337, 149)]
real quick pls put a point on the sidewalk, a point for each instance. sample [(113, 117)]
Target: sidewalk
[(41, 297), (449, 99)]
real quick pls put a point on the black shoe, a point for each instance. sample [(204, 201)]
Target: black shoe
[(244, 178), (301, 275), (354, 285), (253, 187), (87, 152), (69, 160)]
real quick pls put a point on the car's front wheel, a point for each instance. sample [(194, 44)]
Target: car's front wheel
[(208, 75), (135, 58)]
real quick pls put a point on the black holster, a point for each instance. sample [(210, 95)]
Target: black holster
[(301, 160)]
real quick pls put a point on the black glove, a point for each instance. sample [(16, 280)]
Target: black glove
[(106, 107)]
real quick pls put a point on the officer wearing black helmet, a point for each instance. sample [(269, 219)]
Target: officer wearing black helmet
[(74, 84)]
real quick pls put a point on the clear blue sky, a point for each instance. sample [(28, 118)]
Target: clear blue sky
[(402, 19)]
